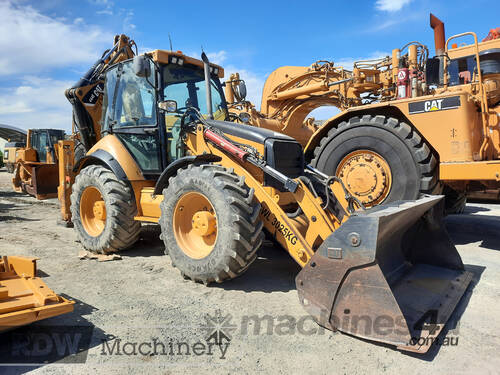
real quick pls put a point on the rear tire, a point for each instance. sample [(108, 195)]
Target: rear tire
[(238, 233), (79, 151), (413, 167), (115, 231)]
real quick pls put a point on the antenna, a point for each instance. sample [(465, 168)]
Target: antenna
[(170, 40)]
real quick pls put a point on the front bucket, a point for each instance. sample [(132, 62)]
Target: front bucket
[(389, 274), (37, 179)]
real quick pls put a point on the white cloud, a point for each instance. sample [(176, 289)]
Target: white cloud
[(35, 42), (391, 5), (107, 12), (108, 6), (217, 57), (128, 17), (36, 103)]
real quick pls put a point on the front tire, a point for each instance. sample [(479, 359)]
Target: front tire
[(210, 223), (103, 210)]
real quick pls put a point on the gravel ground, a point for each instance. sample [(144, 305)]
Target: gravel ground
[(143, 299)]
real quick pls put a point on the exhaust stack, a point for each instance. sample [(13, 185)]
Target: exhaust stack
[(439, 43), (439, 39), (206, 67)]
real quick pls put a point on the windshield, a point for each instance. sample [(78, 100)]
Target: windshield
[(186, 85), (55, 136)]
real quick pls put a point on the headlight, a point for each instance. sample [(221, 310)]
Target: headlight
[(180, 61), (174, 59)]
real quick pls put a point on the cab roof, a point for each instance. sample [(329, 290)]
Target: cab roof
[(163, 57)]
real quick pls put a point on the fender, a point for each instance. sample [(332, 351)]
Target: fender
[(101, 157), (181, 163)]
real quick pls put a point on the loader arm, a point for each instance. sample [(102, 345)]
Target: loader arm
[(371, 264), (294, 235)]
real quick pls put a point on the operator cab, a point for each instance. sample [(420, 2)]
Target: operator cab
[(43, 141), (132, 110)]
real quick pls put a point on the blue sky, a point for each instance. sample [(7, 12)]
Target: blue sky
[(47, 44)]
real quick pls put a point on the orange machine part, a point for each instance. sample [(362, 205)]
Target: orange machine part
[(25, 298), (493, 34)]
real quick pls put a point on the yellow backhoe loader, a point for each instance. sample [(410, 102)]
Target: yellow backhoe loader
[(25, 298), (167, 156), (409, 124)]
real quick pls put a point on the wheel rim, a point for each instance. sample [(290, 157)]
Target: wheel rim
[(92, 211), (366, 175), (195, 225)]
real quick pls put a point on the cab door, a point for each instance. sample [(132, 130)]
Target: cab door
[(130, 113), (39, 141)]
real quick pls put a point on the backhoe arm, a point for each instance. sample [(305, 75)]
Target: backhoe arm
[(86, 95)]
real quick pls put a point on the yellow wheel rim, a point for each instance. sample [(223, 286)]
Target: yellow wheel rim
[(195, 225), (92, 211), (366, 175)]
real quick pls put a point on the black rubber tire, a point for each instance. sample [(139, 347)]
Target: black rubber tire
[(121, 231), (79, 151), (412, 163), (11, 168), (454, 201), (239, 226)]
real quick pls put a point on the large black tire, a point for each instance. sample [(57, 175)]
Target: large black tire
[(120, 231), (11, 167), (79, 151), (411, 161), (239, 229)]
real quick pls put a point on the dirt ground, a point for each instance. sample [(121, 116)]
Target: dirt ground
[(143, 299)]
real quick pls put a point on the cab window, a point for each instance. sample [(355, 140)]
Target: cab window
[(134, 102)]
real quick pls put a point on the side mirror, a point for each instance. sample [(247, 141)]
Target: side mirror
[(241, 90), (169, 106), (142, 67)]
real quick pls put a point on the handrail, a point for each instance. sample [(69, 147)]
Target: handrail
[(484, 101)]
